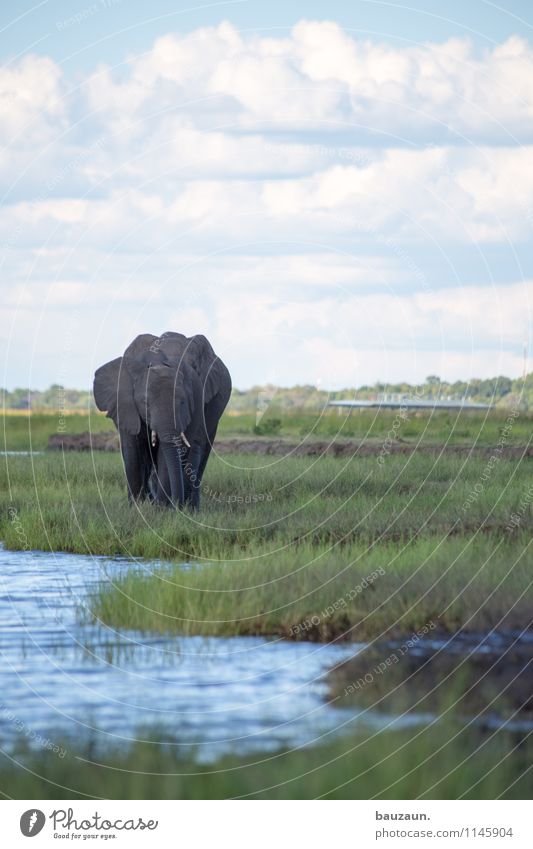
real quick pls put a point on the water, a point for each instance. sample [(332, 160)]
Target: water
[(65, 680), (20, 453)]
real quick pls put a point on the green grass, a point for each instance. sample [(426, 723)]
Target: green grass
[(20, 431), (357, 592), (284, 547), (441, 426), (443, 761), (316, 531), (77, 502), (23, 432)]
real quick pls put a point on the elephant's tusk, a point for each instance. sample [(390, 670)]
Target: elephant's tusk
[(154, 438), (184, 438)]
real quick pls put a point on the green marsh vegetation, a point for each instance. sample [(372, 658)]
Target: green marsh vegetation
[(20, 429), (440, 427), (303, 548), (283, 544), (442, 761)]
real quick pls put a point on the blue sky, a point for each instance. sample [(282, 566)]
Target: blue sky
[(334, 193), (106, 30)]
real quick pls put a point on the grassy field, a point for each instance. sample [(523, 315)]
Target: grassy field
[(442, 761), (303, 548), (20, 431), (355, 548), (357, 592)]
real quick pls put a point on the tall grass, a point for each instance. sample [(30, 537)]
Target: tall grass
[(285, 540), (77, 502), (357, 592), (443, 761)]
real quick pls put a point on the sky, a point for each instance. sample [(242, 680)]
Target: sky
[(334, 193)]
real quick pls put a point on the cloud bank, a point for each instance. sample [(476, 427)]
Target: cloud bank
[(324, 208)]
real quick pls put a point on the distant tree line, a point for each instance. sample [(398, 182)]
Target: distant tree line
[(502, 391), (56, 397)]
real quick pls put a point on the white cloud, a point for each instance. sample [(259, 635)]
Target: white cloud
[(436, 193), (320, 73), (277, 193), (339, 336), (31, 94)]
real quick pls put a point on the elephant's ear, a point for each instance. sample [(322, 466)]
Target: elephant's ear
[(113, 393), (188, 400), (206, 364)]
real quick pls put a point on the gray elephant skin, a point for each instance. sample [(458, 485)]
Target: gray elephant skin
[(166, 395)]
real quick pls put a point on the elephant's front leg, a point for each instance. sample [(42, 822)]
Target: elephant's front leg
[(212, 413), (161, 480), (171, 452), (192, 479), (135, 465)]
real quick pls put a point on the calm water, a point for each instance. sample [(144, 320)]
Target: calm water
[(62, 679), (20, 453)]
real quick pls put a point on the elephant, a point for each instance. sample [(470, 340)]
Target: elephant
[(166, 395)]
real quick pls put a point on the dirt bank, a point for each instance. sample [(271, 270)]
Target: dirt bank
[(108, 441), (486, 675)]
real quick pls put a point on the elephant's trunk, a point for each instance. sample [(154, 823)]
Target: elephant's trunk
[(172, 454)]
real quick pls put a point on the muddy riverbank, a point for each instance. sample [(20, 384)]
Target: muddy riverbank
[(108, 441), (486, 676)]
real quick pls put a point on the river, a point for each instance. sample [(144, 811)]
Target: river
[(64, 677)]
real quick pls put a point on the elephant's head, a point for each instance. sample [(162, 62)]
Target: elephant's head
[(164, 395), (199, 354)]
